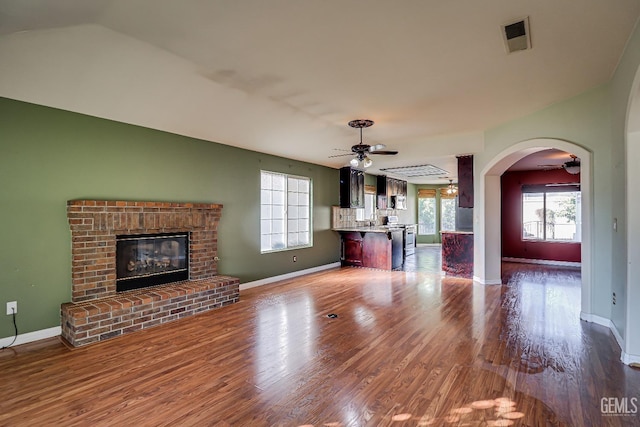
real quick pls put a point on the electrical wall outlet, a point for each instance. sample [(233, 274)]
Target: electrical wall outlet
[(12, 307), (295, 258)]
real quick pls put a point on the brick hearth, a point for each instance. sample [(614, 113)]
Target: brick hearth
[(97, 311)]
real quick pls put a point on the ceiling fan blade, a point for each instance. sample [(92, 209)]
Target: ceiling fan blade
[(342, 155), (564, 184), (376, 147), (549, 167), (385, 152)]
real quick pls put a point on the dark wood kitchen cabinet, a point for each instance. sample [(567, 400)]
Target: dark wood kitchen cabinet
[(382, 250), (382, 199), (352, 244), (465, 181), (386, 188), (351, 188)]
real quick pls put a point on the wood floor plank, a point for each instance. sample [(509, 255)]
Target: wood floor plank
[(408, 348)]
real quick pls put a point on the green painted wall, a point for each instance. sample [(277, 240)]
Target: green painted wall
[(49, 156), (409, 215), (370, 179)]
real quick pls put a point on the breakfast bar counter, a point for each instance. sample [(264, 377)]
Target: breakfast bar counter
[(457, 253), (373, 247)]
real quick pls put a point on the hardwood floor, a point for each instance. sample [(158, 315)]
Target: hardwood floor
[(407, 348)]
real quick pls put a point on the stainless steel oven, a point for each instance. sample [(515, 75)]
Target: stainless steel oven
[(409, 234), (410, 239)]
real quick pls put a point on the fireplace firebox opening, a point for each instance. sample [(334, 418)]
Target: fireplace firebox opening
[(151, 259)]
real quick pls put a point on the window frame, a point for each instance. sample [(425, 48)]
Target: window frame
[(544, 190), (428, 194), (287, 207), (453, 200)]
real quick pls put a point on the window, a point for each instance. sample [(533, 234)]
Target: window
[(551, 215), (369, 206), (447, 211), (367, 213), (285, 211), (426, 211)]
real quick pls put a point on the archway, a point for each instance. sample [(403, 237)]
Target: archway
[(487, 217), (631, 352)]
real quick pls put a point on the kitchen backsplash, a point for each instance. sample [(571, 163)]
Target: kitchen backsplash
[(347, 217)]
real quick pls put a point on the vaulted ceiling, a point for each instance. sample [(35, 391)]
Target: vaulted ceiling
[(285, 76)]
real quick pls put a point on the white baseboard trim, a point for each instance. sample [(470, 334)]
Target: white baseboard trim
[(594, 318), (487, 281), (32, 336), (625, 357), (629, 358), (603, 321), (542, 261), (286, 276), (57, 330)]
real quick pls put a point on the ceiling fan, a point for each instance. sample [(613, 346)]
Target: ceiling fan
[(361, 151), (572, 166)]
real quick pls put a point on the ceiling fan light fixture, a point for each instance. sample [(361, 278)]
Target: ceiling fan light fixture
[(361, 151), (572, 169), (572, 166), (451, 189)]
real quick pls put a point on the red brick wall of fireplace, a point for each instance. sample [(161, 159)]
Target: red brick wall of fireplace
[(97, 312), (95, 224)]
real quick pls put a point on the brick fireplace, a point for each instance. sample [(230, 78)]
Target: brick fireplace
[(97, 311)]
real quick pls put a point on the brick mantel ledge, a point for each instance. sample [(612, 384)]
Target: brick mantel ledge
[(97, 320), (138, 204)]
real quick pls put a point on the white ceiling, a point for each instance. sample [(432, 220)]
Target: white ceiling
[(542, 160), (285, 76)]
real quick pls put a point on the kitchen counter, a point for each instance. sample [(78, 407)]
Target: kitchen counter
[(373, 229), (457, 253), (373, 247)]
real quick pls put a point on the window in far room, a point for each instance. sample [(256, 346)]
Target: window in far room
[(448, 204), (551, 213), (426, 211), (285, 212)]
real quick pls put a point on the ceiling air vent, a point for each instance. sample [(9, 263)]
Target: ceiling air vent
[(516, 35)]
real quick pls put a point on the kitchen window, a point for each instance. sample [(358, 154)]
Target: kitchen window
[(285, 211), (448, 203), (426, 211)]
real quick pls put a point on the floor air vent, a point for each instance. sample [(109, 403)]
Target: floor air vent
[(516, 35)]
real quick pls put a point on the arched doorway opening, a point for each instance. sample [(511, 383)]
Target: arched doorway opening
[(631, 350), (487, 216)]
